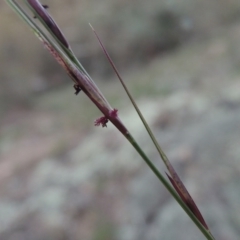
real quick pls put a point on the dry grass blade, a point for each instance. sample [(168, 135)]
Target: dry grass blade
[(174, 179), (187, 199)]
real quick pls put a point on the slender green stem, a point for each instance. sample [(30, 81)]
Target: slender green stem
[(205, 232), (38, 31), (162, 154), (67, 51), (59, 47)]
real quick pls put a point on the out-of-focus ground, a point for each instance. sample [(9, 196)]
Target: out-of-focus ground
[(61, 178)]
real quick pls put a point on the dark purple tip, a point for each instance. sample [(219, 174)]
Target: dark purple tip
[(44, 15)]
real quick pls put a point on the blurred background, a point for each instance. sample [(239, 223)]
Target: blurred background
[(61, 178)]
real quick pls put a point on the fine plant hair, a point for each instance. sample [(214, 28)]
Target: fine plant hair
[(56, 43)]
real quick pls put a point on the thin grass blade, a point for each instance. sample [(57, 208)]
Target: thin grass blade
[(174, 179)]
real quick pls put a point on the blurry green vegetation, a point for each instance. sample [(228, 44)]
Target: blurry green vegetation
[(104, 230)]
